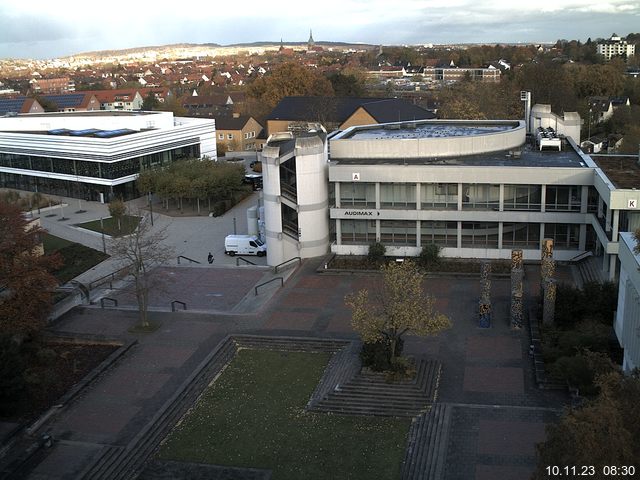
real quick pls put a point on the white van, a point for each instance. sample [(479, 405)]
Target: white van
[(244, 245)]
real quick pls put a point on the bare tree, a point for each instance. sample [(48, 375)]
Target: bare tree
[(142, 251)]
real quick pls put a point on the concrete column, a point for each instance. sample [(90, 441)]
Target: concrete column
[(459, 201), (418, 239), (582, 239), (377, 230), (616, 224), (501, 201), (605, 261), (338, 231), (541, 235), (378, 201), (337, 194), (600, 204), (584, 198), (459, 234), (607, 221), (612, 267), (500, 227), (543, 201), (418, 203)]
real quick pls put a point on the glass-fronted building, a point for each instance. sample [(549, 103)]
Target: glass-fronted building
[(95, 155)]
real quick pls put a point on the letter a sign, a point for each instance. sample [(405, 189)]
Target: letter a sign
[(355, 177), (632, 203)]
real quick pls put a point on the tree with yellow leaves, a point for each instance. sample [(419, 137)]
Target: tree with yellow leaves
[(401, 306)]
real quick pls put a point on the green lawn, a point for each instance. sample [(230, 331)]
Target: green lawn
[(76, 258), (253, 416), (128, 225)]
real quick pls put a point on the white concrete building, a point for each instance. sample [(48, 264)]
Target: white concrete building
[(295, 193), (95, 155), (615, 47), (627, 321)]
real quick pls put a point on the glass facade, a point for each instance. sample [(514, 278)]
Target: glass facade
[(479, 235), (443, 234), (358, 232), (84, 168), (521, 235), (398, 232), (439, 196), (398, 195), (565, 236), (563, 198), (479, 196), (523, 197), (358, 194)]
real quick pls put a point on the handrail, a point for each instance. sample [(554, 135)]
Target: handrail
[(269, 281), (275, 269), (581, 256), (115, 302), (244, 260), (173, 305), (110, 276), (186, 258)]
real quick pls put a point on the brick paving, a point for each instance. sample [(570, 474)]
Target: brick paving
[(497, 417)]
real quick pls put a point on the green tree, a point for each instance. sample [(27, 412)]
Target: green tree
[(604, 432), (347, 85), (117, 210), (400, 306), (150, 102)]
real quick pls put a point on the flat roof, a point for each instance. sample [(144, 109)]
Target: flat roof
[(430, 129), (91, 113), (528, 157), (622, 170)]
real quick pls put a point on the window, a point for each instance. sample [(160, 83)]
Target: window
[(398, 232), (358, 232), (246, 136), (479, 235), (357, 194), (229, 136), (521, 235), (565, 236), (480, 196), (443, 234), (221, 136), (398, 195), (522, 197), (439, 196), (566, 198)]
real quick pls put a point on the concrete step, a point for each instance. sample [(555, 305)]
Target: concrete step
[(425, 456)]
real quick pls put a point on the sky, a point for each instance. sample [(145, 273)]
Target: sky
[(43, 29)]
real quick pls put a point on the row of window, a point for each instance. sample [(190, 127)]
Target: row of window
[(84, 168), (473, 196), (247, 135), (445, 234)]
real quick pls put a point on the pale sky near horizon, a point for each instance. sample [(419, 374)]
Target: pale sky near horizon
[(48, 29)]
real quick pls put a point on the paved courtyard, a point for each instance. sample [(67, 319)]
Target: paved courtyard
[(498, 414)]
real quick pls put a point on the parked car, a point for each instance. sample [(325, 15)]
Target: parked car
[(244, 245)]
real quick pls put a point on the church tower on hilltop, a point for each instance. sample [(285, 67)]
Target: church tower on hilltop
[(310, 43)]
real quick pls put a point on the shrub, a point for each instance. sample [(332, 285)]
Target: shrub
[(377, 355), (430, 256), (376, 252), (581, 370)]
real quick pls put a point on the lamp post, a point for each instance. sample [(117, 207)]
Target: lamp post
[(150, 208), (589, 135), (104, 245)]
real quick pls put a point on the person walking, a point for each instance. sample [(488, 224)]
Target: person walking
[(210, 258)]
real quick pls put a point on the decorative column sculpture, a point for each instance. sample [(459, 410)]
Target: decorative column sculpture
[(517, 290), (547, 283), (549, 303), (484, 307)]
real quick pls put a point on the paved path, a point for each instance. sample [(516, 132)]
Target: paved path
[(192, 237), (498, 414)]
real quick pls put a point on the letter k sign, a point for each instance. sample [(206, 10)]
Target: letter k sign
[(632, 203)]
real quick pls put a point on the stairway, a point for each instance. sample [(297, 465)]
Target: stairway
[(369, 393), (590, 270), (427, 445)]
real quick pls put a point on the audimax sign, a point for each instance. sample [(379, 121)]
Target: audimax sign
[(361, 213)]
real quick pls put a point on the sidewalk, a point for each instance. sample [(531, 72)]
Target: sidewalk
[(191, 237)]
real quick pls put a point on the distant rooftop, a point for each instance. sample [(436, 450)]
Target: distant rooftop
[(93, 113), (622, 170)]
